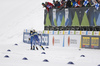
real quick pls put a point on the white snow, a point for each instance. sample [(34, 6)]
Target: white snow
[(17, 15)]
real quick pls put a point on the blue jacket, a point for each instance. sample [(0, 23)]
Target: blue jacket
[(74, 3), (34, 36)]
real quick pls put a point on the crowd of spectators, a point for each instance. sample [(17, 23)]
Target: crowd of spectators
[(70, 3)]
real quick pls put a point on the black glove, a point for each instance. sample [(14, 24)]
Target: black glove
[(29, 38)]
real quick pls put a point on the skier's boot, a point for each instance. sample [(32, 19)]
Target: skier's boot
[(36, 47), (42, 47), (33, 47)]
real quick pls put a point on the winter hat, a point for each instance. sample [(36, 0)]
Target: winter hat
[(42, 3)]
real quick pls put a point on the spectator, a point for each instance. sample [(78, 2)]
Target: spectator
[(89, 4), (75, 4), (48, 5), (94, 2), (43, 5), (57, 4), (68, 4), (72, 1), (54, 2), (62, 1), (99, 1), (62, 5), (80, 3)]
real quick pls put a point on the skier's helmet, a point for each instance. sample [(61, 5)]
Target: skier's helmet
[(33, 30)]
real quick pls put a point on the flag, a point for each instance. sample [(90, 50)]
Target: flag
[(76, 4), (97, 6), (49, 6), (85, 3), (87, 11)]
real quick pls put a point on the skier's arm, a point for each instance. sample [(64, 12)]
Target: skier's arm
[(38, 34)]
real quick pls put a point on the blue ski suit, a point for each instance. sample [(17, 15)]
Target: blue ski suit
[(34, 38)]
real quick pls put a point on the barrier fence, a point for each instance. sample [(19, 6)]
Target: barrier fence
[(67, 39), (85, 16), (71, 32)]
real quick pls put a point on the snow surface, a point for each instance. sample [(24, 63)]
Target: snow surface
[(17, 15)]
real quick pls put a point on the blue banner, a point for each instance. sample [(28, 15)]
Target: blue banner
[(26, 37), (44, 38)]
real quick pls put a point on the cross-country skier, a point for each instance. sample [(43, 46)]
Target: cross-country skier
[(35, 40)]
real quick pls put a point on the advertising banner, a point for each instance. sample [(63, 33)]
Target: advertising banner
[(77, 32), (83, 32), (71, 32), (46, 32), (96, 32), (51, 32), (56, 40), (66, 32), (40, 32), (55, 32), (72, 41), (44, 38), (60, 32), (54, 13), (54, 17), (26, 37), (66, 17), (95, 42), (59, 17), (90, 32), (90, 41), (85, 16), (86, 42)]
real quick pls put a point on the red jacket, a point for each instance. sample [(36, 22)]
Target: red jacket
[(50, 6)]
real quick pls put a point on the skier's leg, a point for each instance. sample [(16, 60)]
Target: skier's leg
[(36, 44), (37, 48), (40, 45), (33, 44)]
